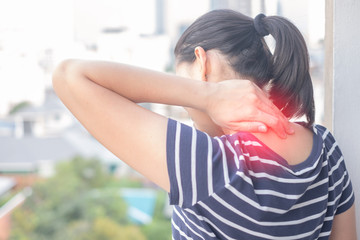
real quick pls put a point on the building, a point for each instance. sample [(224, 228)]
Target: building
[(243, 6)]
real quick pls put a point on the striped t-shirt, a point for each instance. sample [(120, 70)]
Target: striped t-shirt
[(235, 187)]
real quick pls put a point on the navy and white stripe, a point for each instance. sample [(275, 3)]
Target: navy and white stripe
[(235, 187)]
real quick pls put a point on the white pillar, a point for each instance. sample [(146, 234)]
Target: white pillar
[(343, 72)]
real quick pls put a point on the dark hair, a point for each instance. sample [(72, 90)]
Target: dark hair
[(286, 72)]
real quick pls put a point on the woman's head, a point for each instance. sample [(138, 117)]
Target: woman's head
[(239, 40)]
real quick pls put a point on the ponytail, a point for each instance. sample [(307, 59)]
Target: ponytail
[(291, 88)]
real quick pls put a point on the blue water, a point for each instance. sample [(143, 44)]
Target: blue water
[(141, 204)]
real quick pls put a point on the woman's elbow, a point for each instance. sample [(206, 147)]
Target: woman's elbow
[(62, 74), (59, 74)]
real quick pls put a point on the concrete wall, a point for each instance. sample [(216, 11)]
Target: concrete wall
[(345, 52)]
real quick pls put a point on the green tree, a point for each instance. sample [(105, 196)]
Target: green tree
[(105, 228), (160, 227), (19, 106), (82, 202), (68, 203)]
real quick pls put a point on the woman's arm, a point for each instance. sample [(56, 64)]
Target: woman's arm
[(344, 226), (102, 97)]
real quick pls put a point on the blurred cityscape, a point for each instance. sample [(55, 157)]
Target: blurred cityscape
[(37, 132)]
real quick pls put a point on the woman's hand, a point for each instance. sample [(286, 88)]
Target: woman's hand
[(239, 105)]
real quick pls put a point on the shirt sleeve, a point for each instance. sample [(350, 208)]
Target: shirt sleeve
[(346, 193), (197, 165), (347, 196)]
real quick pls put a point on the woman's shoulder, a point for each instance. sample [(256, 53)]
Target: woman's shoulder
[(325, 133), (299, 149), (296, 148)]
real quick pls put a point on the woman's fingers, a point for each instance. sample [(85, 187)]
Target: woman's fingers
[(267, 106), (268, 120), (276, 124), (236, 103), (255, 127), (282, 123)]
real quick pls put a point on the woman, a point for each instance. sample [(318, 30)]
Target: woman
[(225, 182)]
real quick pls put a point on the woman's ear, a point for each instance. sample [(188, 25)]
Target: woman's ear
[(201, 59)]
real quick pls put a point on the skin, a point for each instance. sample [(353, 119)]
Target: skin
[(103, 97)]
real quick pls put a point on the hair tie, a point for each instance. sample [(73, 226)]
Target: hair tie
[(259, 25)]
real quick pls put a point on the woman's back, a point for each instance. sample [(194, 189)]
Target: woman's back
[(236, 187)]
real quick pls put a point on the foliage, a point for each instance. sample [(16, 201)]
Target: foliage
[(105, 228), (81, 203), (160, 227), (6, 197), (158, 230), (18, 107)]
